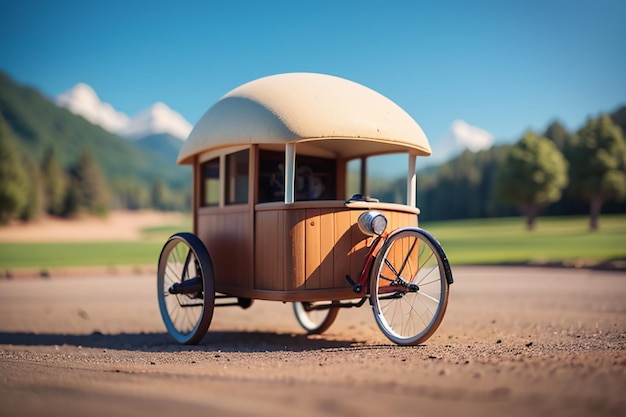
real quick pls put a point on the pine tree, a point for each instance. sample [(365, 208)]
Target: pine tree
[(54, 183), (34, 206), (89, 185), (160, 195), (70, 201), (13, 180)]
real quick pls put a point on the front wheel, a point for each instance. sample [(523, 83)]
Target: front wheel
[(409, 286), (186, 288), (313, 319)]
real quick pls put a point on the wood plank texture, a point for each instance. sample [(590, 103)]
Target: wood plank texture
[(228, 237), (313, 248)]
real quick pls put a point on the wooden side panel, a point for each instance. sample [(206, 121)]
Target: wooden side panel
[(392, 220), (228, 238), (312, 248), (298, 249), (358, 246), (327, 247), (295, 274), (270, 250), (282, 246), (343, 245)]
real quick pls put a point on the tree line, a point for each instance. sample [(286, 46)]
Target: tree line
[(554, 172), (28, 190)]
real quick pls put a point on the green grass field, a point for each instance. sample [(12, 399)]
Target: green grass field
[(466, 242), (52, 255), (555, 239)]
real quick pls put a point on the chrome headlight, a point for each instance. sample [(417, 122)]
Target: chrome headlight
[(372, 223)]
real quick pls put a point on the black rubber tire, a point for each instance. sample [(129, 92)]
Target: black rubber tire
[(187, 317)]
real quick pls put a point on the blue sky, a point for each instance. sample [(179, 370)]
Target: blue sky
[(502, 66)]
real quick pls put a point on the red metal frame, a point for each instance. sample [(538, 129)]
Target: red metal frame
[(369, 261)]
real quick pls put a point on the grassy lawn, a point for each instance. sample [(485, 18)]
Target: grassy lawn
[(555, 239), (51, 255), (466, 242)]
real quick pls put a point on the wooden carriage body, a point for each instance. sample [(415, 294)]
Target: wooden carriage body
[(270, 183)]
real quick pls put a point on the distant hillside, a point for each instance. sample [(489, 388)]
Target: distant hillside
[(163, 145), (39, 125)]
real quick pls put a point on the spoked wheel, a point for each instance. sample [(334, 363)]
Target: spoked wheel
[(186, 288), (312, 319), (409, 286)]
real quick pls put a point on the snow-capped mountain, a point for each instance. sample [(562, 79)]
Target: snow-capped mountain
[(83, 100), (158, 118)]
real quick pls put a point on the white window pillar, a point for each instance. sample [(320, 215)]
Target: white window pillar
[(290, 172), (411, 183)]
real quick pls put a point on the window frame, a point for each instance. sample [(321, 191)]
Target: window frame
[(221, 155)]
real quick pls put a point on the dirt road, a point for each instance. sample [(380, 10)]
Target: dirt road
[(515, 342)]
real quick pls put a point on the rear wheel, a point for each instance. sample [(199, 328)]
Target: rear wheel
[(409, 286), (312, 319), (186, 288)]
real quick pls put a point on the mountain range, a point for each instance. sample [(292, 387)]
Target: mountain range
[(157, 129), (156, 119), (39, 124)]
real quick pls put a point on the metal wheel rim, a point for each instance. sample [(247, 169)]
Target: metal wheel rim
[(315, 321), (413, 317), (182, 323)]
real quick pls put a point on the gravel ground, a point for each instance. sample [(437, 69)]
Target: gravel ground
[(515, 342)]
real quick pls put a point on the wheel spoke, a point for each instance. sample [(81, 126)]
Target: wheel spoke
[(427, 259), (406, 258), (390, 266), (386, 279), (411, 318), (430, 297), (427, 308), (175, 273), (423, 284)]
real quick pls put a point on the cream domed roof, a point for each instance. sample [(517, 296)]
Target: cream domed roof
[(324, 111)]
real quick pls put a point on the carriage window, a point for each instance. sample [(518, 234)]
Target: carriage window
[(353, 185), (237, 177), (315, 177), (271, 176), (210, 182)]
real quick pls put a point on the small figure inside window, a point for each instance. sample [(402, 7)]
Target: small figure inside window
[(308, 185), (315, 177)]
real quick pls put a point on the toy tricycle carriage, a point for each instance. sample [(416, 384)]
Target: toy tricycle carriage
[(272, 219)]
